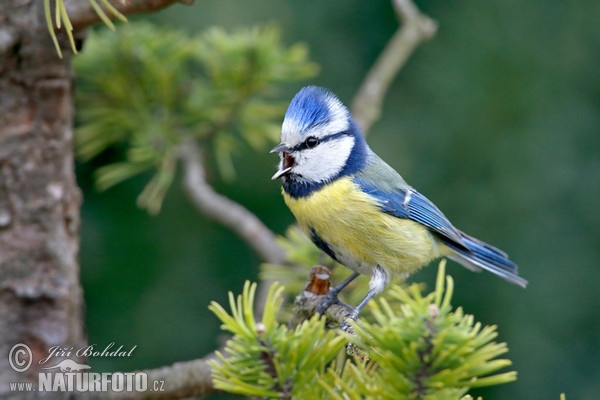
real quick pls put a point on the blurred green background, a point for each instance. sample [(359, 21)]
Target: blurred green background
[(497, 120)]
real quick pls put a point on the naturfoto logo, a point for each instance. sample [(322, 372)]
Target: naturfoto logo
[(68, 375)]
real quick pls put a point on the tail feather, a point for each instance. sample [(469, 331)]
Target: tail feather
[(480, 255)]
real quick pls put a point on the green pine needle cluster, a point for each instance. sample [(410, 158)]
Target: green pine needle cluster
[(146, 90), (416, 347), (265, 358), (424, 349), (62, 20)]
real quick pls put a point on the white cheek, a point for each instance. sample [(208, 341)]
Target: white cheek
[(324, 161)]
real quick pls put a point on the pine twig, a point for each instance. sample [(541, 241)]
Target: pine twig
[(415, 28), (311, 297), (178, 381), (226, 211), (230, 214)]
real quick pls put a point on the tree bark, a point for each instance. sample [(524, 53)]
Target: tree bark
[(41, 302)]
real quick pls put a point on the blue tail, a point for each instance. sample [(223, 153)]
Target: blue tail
[(479, 255)]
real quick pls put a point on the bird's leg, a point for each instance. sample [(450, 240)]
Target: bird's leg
[(354, 314), (379, 280), (338, 288), (332, 296)]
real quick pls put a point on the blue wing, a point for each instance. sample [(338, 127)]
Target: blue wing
[(409, 204), (405, 202)]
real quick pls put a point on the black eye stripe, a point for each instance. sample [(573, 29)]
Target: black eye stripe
[(304, 146)]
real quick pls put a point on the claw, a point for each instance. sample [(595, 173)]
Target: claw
[(345, 325)]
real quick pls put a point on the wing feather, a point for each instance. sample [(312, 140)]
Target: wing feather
[(409, 204)]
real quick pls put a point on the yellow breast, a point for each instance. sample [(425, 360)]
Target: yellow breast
[(359, 233)]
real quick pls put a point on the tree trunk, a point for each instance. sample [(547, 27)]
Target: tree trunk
[(41, 302)]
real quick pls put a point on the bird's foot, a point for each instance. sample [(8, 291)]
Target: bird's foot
[(330, 299), (345, 324), (352, 349)]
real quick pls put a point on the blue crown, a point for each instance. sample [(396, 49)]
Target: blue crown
[(311, 107)]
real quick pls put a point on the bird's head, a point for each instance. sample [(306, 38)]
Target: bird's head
[(319, 139)]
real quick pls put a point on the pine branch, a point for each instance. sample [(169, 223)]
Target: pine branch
[(178, 381), (313, 296), (82, 14), (224, 210), (425, 355), (415, 28)]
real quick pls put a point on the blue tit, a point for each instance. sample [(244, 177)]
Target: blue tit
[(358, 209)]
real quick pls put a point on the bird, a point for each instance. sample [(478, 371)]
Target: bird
[(358, 209)]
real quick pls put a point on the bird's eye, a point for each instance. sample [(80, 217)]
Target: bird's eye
[(311, 142)]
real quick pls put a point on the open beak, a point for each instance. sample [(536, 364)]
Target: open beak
[(281, 147), (287, 161)]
